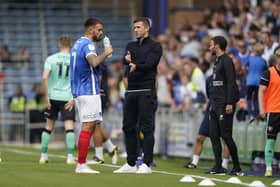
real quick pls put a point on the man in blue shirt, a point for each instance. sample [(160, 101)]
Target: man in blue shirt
[(255, 66), (85, 86)]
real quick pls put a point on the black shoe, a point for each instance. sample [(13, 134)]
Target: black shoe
[(97, 160), (237, 172), (190, 166), (217, 171)]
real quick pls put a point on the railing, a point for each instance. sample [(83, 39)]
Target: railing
[(12, 127), (175, 132)]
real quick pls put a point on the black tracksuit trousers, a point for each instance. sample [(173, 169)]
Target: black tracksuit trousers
[(139, 112), (221, 127)]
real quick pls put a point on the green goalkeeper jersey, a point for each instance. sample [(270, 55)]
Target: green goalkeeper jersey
[(59, 80)]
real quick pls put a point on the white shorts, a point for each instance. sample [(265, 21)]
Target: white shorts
[(89, 108)]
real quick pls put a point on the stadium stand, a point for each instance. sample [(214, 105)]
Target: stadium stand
[(38, 26), (39, 29)]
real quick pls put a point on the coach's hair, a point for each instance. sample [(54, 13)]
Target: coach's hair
[(221, 41), (146, 21), (92, 22), (65, 41)]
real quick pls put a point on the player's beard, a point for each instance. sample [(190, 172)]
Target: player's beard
[(96, 39)]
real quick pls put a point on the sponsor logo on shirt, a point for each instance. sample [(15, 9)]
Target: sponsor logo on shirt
[(218, 83)]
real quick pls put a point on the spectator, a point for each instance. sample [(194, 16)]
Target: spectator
[(36, 105), (241, 112), (178, 72), (116, 87), (163, 85), (22, 56), (192, 46), (255, 67), (16, 104), (182, 91), (197, 82), (269, 45), (5, 54), (243, 53)]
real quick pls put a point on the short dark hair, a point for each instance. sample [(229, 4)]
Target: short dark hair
[(92, 22), (145, 20), (194, 60), (221, 41)]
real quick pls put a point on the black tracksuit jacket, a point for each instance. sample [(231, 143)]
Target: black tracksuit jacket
[(146, 56), (224, 82)]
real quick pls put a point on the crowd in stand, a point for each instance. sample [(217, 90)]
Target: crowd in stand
[(252, 30)]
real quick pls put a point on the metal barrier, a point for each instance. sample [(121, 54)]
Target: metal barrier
[(12, 127), (175, 132), (16, 128)]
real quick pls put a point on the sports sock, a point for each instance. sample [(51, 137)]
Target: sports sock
[(225, 163), (70, 141), (269, 151), (109, 145), (45, 139), (195, 159), (83, 146), (99, 152)]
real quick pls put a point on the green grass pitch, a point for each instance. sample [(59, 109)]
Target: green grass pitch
[(20, 168)]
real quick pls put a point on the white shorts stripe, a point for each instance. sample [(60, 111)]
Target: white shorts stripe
[(93, 81)]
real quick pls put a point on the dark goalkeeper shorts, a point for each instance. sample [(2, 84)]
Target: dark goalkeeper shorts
[(273, 125), (56, 107)]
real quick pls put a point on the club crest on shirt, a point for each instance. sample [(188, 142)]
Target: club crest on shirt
[(91, 47)]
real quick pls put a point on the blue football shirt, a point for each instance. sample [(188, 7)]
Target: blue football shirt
[(84, 78)]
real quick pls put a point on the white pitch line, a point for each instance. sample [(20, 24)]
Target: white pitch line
[(116, 166)]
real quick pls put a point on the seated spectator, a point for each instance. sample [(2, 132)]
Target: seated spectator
[(5, 55), (22, 56)]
